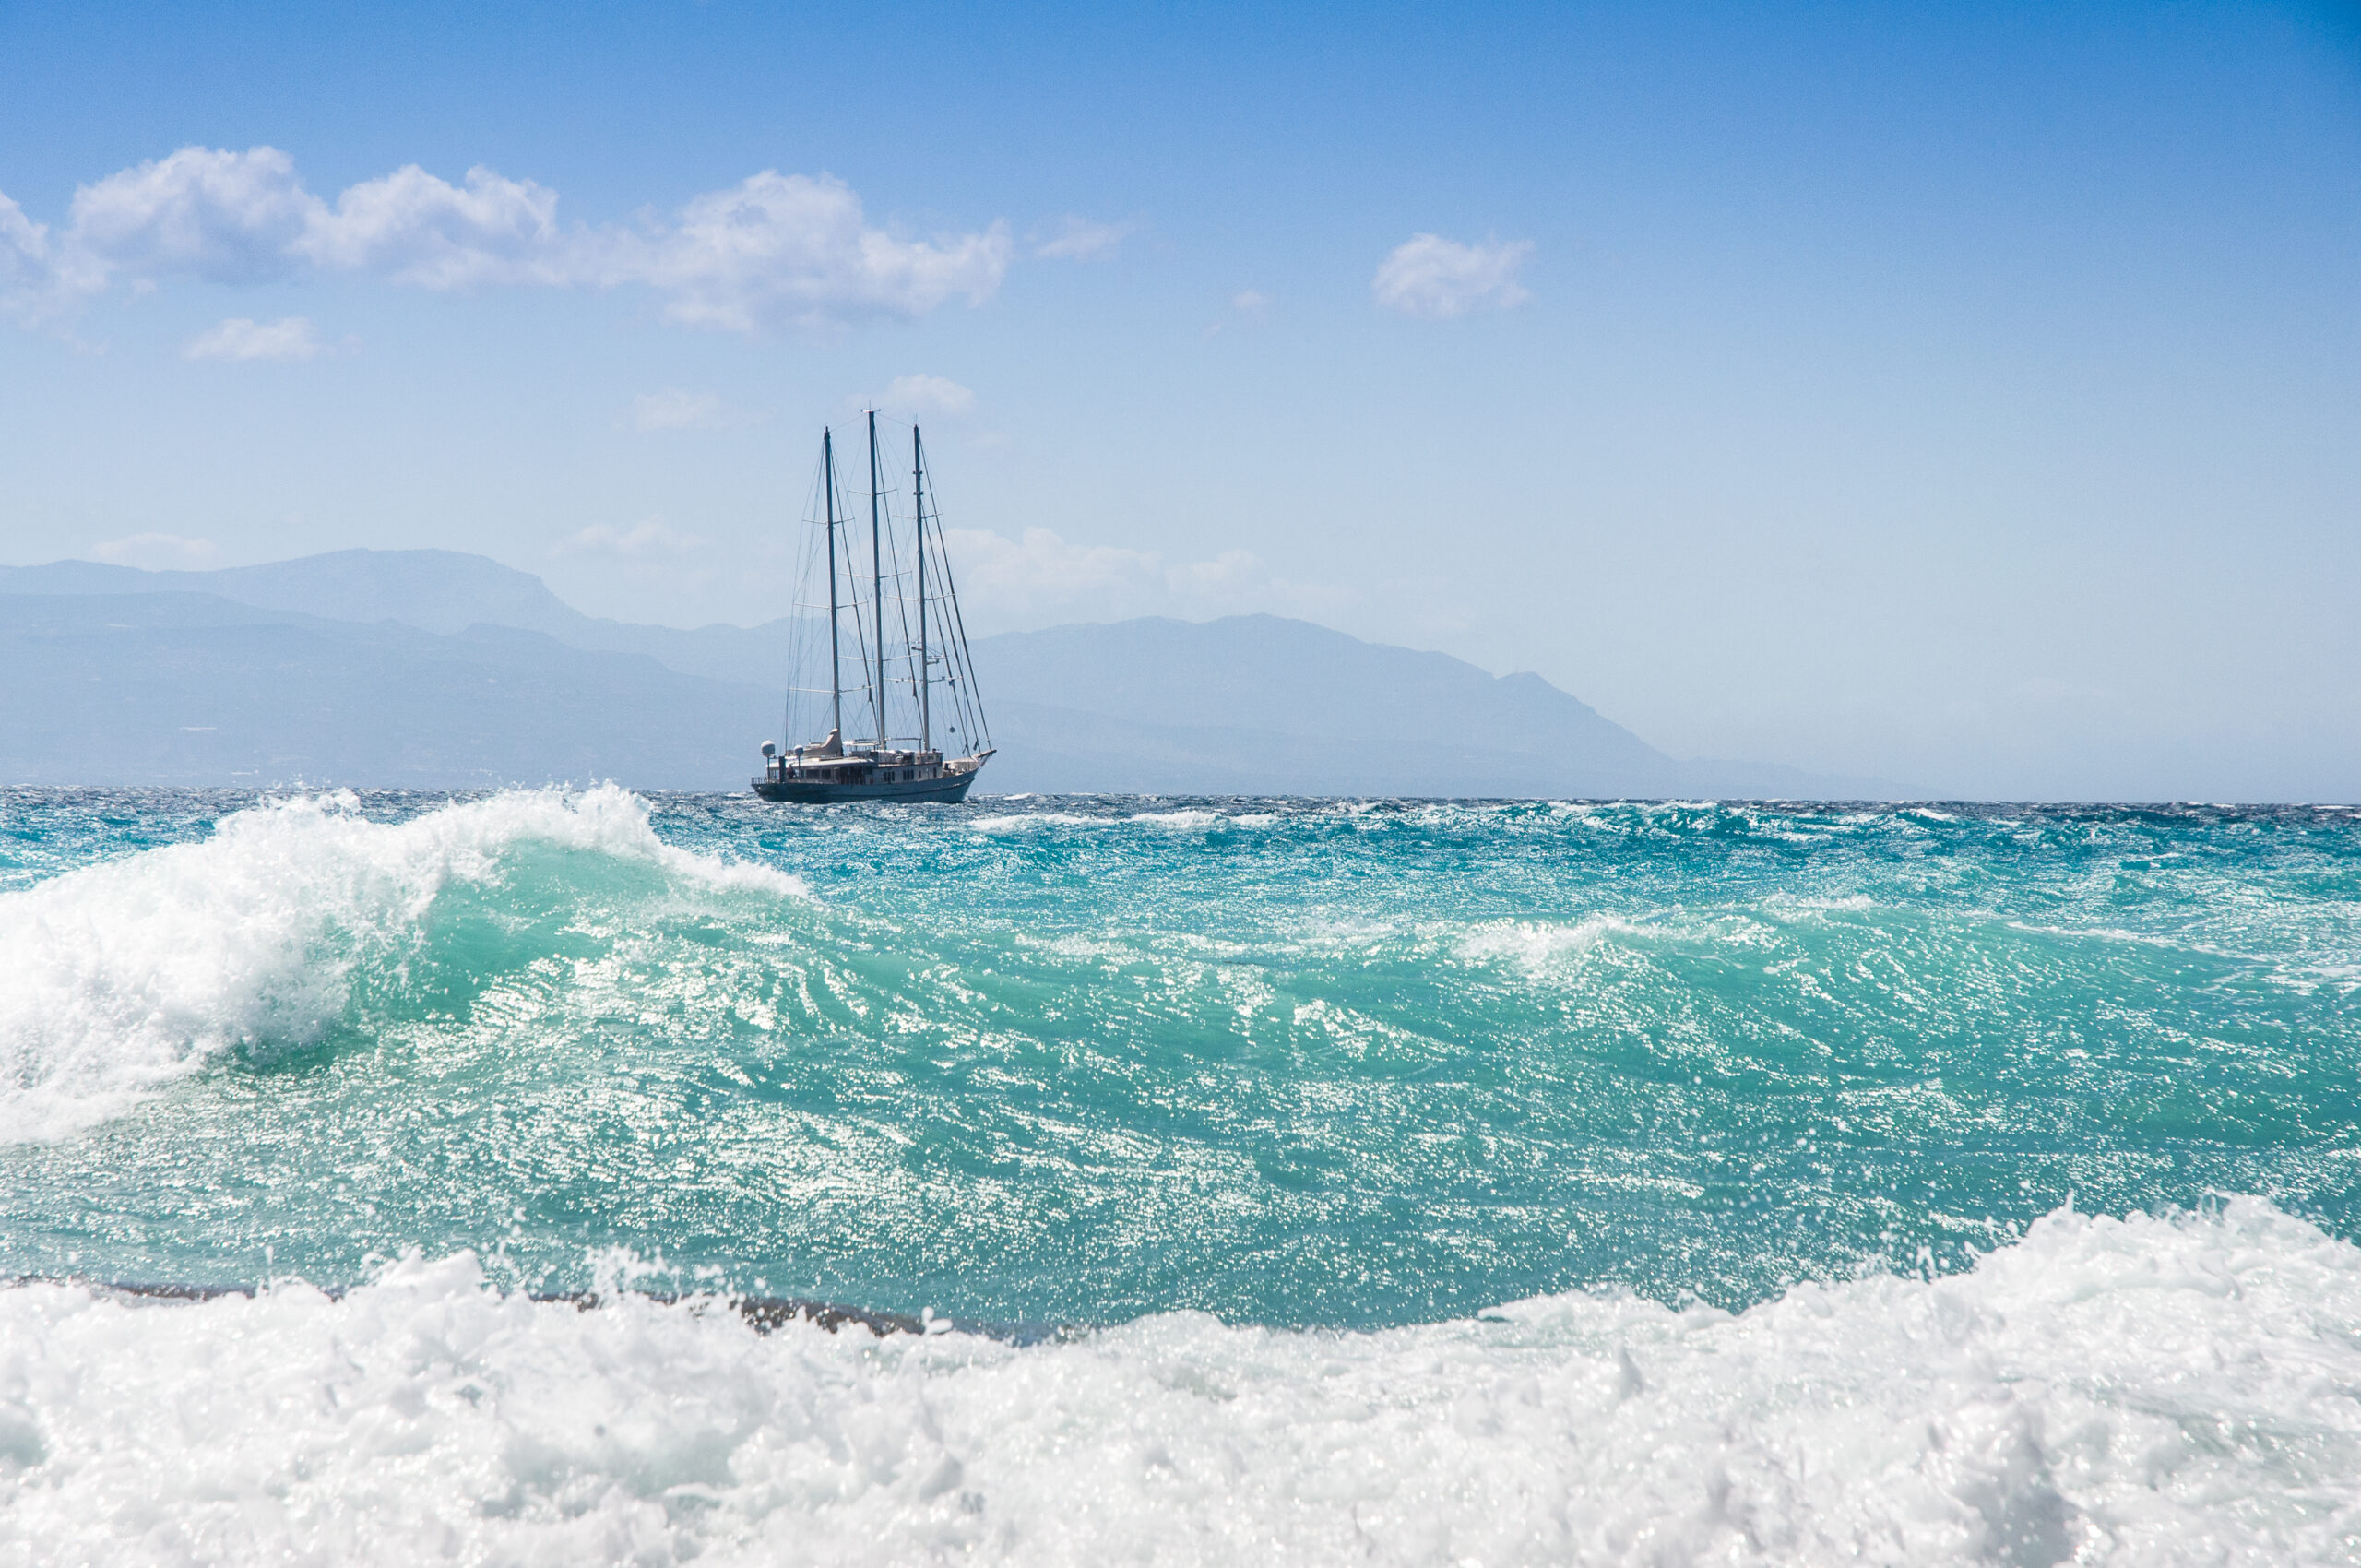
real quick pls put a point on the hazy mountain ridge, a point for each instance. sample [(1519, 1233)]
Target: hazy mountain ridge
[(1261, 705), (436, 669), (435, 591), (182, 688)]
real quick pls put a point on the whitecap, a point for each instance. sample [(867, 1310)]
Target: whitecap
[(2153, 1391), (123, 976), (1025, 821), (1537, 945), (1183, 820)]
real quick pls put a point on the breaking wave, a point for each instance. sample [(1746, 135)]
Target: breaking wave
[(1764, 1121), (2148, 1390), (126, 975)]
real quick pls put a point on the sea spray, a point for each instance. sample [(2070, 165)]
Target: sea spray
[(2152, 1390), (1318, 1063), (126, 974), (1245, 1116)]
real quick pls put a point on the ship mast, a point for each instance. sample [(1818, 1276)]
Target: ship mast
[(877, 578), (836, 626), (958, 670), (918, 505)]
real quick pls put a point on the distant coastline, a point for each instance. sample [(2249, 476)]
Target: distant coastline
[(436, 670)]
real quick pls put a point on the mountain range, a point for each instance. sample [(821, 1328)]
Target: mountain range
[(437, 670)]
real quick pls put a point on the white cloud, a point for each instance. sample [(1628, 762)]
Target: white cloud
[(1428, 275), (290, 337), (912, 394), (1079, 238), (675, 408), (224, 217), (414, 228), (24, 254), (774, 249), (1041, 578), (796, 249), (651, 538), (158, 551)]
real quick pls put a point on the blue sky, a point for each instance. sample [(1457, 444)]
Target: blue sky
[(1965, 396)]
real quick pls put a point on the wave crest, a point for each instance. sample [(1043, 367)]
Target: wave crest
[(2150, 1390), (123, 976)]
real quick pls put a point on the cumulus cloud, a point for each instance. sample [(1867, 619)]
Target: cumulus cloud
[(652, 537), (158, 551), (774, 249), (224, 217), (413, 228), (1079, 238), (910, 395), (1428, 275), (1042, 577), (794, 248), (288, 338)]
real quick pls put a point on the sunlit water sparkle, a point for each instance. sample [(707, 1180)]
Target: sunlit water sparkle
[(1454, 1118)]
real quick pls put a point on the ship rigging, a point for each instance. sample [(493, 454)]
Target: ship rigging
[(933, 658)]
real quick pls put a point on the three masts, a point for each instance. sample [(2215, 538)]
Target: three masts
[(933, 641)]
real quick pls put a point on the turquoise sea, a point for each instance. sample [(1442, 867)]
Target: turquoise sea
[(1383, 1180)]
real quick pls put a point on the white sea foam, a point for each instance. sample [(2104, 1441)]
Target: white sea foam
[(1536, 946), (1026, 822), (2148, 1391), (1183, 820), (122, 976)]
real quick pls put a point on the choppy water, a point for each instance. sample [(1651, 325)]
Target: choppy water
[(1515, 1183)]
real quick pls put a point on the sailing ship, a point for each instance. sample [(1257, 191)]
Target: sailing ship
[(931, 661)]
